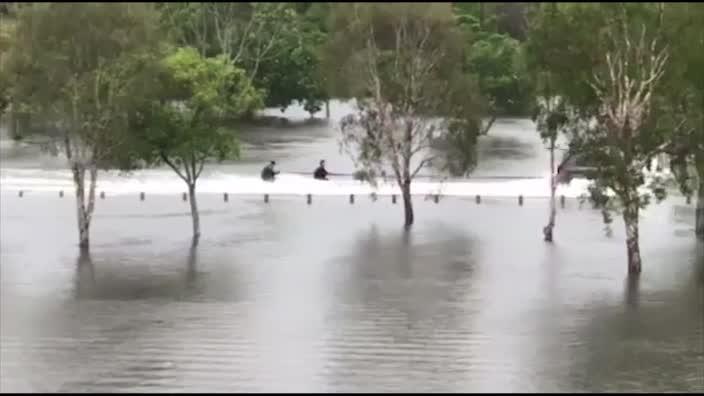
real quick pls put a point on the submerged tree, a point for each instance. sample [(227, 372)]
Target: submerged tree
[(686, 96), (550, 111), (550, 119), (403, 64), (179, 123), (620, 135), (606, 66), (76, 68)]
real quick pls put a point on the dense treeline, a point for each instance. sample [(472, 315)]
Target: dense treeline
[(127, 85)]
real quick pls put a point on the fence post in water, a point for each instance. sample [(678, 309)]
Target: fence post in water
[(266, 198), (102, 195), (520, 200), (436, 198), (393, 199), (184, 197), (351, 199), (61, 194), (141, 196), (309, 199), (478, 199), (225, 197), (562, 201)]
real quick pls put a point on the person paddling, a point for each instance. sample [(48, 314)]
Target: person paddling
[(321, 173), (268, 173)]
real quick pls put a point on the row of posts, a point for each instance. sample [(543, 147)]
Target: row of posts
[(309, 198)]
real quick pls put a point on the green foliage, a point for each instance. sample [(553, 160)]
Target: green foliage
[(179, 123), (190, 24), (76, 67), (478, 16), (294, 73), (550, 112), (75, 71), (245, 33), (685, 94), (276, 43), (6, 32), (279, 45), (584, 57), (210, 88), (347, 53), (403, 65), (496, 59)]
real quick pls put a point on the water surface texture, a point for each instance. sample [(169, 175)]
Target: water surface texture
[(333, 297)]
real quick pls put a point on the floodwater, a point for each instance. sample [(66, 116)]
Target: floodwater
[(334, 297), (513, 150)]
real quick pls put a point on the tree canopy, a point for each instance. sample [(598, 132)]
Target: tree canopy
[(608, 67), (122, 85), (76, 69), (179, 124), (403, 65)]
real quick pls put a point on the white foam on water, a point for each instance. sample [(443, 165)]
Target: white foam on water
[(163, 182)]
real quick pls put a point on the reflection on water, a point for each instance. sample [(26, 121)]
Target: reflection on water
[(85, 276), (336, 297), (629, 347), (133, 282), (632, 294), (400, 322), (281, 298)]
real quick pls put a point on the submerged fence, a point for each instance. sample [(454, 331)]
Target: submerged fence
[(520, 199)]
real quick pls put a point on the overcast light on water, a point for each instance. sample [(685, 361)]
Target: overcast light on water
[(333, 296)]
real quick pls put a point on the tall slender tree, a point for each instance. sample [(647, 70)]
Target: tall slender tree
[(403, 65), (607, 67), (620, 134), (76, 67), (550, 112), (179, 123)]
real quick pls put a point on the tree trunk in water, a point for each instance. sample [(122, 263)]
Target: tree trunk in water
[(548, 229), (630, 218), (699, 218), (481, 15), (11, 123), (407, 204), (18, 124), (699, 224), (84, 210), (194, 212)]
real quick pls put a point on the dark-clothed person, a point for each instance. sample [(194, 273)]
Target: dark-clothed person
[(321, 173), (268, 173)]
